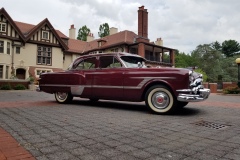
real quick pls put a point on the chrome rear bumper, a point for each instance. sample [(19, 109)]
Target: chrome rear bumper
[(187, 95)]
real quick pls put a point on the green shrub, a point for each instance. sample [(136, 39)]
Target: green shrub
[(19, 87), (231, 90), (6, 87)]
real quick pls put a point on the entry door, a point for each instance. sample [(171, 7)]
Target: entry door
[(20, 73)]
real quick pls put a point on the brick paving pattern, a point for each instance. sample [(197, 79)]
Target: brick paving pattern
[(119, 130), (10, 149)]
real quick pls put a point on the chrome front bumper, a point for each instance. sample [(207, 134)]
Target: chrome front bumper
[(187, 95)]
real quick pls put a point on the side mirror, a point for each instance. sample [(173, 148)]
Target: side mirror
[(140, 65)]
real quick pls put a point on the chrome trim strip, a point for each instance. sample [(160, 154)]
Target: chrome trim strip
[(100, 73), (82, 86), (57, 85), (140, 85), (139, 72), (77, 90), (149, 78), (103, 86)]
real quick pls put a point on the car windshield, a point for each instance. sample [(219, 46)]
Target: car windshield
[(133, 62)]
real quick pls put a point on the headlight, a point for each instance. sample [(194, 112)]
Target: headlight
[(190, 73), (191, 78)]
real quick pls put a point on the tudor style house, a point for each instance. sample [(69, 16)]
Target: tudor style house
[(28, 50)]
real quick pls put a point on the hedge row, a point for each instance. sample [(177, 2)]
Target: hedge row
[(16, 87)]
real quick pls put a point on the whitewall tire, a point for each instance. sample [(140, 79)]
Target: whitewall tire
[(160, 99), (63, 97)]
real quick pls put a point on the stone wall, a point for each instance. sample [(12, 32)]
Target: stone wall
[(14, 82), (213, 86)]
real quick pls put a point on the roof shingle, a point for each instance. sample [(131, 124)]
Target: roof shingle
[(24, 27)]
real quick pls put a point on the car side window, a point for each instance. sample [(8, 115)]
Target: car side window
[(109, 62), (88, 63)]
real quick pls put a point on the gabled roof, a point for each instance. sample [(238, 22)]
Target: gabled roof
[(76, 46), (123, 37), (40, 25), (6, 15), (24, 27), (26, 31), (61, 34)]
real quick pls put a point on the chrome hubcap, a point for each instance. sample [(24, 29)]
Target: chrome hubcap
[(61, 95), (160, 100)]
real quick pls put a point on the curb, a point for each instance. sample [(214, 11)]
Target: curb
[(11, 149)]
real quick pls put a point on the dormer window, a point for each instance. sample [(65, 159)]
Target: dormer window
[(3, 27), (45, 35), (101, 42)]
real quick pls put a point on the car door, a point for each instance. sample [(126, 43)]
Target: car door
[(108, 79), (84, 68)]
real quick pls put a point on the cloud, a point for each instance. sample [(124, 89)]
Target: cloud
[(182, 25)]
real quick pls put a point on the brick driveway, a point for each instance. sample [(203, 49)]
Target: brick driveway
[(120, 130)]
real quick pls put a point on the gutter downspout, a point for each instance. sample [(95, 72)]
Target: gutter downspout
[(12, 65)]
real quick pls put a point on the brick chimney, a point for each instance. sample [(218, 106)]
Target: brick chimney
[(113, 30), (72, 32), (159, 42), (142, 22), (90, 37)]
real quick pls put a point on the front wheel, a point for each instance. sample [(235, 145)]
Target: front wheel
[(63, 97), (160, 99)]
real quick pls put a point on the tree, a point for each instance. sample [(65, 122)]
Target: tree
[(183, 60), (103, 30), (83, 33), (208, 59), (230, 48), (229, 68), (217, 46)]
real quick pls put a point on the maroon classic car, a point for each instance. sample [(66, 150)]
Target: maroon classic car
[(124, 77)]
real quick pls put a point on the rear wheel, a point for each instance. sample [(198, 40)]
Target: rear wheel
[(160, 99), (63, 97)]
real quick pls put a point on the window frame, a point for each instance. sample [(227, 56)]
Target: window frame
[(2, 47), (39, 71), (18, 50), (86, 62), (44, 54), (7, 72), (45, 33), (8, 47), (3, 27), (1, 71)]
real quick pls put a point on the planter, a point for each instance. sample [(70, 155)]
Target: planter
[(32, 87)]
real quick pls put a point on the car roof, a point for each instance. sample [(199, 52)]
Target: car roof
[(111, 54)]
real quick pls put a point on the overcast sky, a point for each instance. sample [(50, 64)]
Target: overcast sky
[(182, 24)]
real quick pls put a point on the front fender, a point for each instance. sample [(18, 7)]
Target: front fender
[(153, 82)]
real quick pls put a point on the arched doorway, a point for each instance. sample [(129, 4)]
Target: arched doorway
[(20, 73)]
